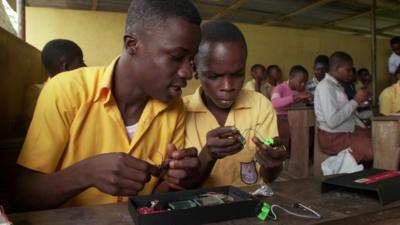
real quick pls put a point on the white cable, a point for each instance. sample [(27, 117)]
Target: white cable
[(314, 216)]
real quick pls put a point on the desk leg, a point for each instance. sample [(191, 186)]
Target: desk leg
[(386, 144), (299, 143)]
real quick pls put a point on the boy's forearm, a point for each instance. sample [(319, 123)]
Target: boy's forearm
[(207, 163), (36, 191)]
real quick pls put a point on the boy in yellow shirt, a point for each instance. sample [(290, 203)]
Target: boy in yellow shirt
[(258, 83), (99, 133), (389, 99), (220, 109)]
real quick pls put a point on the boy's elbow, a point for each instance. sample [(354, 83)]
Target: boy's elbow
[(332, 124)]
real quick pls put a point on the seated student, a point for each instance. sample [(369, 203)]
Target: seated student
[(98, 132), (287, 93), (364, 110), (220, 109), (321, 67), (389, 99), (258, 83), (274, 75), (339, 127), (364, 79), (58, 56)]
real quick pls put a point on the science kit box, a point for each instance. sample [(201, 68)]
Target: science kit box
[(198, 206)]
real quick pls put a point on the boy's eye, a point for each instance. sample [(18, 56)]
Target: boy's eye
[(177, 57), (212, 76)]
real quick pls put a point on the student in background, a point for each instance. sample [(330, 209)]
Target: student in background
[(258, 83), (220, 109), (339, 127), (394, 59), (321, 67), (98, 134), (61, 55), (58, 56), (389, 99), (349, 86), (274, 75), (288, 93), (364, 79)]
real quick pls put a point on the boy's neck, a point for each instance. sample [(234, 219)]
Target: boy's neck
[(130, 98), (221, 115)]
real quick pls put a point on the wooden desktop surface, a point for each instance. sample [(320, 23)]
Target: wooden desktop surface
[(336, 207)]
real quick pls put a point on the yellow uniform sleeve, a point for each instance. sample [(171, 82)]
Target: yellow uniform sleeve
[(385, 102), (48, 133)]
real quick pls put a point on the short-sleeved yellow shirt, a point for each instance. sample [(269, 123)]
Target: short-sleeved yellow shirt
[(389, 100), (265, 89), (251, 110), (77, 117)]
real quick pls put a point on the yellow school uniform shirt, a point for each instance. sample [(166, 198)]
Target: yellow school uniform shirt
[(389, 100), (250, 85), (77, 117), (251, 110), (265, 89)]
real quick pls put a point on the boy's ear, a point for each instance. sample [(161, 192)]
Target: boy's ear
[(64, 66), (131, 43)]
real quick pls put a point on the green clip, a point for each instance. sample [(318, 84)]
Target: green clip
[(264, 212), (268, 141)]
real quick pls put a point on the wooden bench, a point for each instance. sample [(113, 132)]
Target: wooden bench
[(386, 142), (300, 118)]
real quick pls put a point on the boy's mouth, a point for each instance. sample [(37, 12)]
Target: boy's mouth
[(175, 90)]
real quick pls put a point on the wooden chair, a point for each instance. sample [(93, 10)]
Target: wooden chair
[(319, 156)]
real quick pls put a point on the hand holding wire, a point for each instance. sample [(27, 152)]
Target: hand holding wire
[(269, 156), (222, 142)]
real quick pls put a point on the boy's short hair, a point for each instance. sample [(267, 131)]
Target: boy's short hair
[(255, 66), (270, 67), (147, 14), (395, 40), (57, 51), (362, 70), (322, 59), (339, 58), (219, 32), (298, 69)]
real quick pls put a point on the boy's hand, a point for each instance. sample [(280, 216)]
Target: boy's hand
[(222, 142), (269, 157), (117, 174), (302, 97), (183, 166)]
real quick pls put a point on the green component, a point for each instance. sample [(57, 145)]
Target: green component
[(264, 212), (268, 141)]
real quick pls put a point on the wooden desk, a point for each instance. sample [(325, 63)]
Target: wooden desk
[(300, 118), (386, 141), (339, 206)]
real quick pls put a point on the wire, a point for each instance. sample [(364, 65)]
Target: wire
[(314, 215), (244, 134)]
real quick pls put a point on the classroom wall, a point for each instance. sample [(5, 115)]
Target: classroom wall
[(100, 36), (20, 67)]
